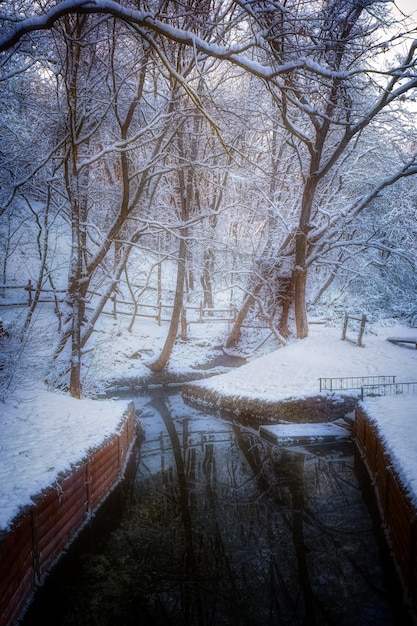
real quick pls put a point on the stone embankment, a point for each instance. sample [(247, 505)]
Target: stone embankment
[(320, 408), (41, 532)]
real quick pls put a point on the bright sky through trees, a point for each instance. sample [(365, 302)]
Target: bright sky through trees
[(407, 6)]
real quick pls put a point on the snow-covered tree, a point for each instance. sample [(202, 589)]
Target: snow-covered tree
[(325, 78)]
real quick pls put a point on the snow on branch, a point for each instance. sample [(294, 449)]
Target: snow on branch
[(123, 145), (322, 235), (23, 181), (146, 20)]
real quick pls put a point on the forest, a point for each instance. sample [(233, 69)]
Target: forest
[(250, 155)]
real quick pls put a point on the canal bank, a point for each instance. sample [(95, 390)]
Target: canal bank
[(30, 432), (42, 531), (383, 430), (220, 527), (384, 433), (258, 411), (41, 535)]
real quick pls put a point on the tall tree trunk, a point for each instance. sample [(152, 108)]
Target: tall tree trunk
[(249, 301), (164, 357), (76, 301), (301, 243), (185, 199), (287, 299), (208, 300), (76, 182), (300, 310)]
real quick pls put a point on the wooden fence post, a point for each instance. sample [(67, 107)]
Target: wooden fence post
[(362, 328), (345, 326), (362, 321)]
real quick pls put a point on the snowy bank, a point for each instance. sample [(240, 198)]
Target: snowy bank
[(294, 371), (43, 435), (395, 419), (384, 433)]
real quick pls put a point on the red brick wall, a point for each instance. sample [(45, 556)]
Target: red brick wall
[(40, 534), (397, 511)]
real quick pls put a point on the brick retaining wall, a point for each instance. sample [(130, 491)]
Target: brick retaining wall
[(398, 513), (41, 533)]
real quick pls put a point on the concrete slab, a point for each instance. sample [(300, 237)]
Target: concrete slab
[(290, 434)]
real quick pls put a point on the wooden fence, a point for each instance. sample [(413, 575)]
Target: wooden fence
[(158, 312), (350, 325), (26, 292), (44, 530), (398, 513)]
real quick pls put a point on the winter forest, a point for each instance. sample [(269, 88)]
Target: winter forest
[(256, 156)]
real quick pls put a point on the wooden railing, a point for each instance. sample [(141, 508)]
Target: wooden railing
[(27, 291), (368, 386), (158, 312)]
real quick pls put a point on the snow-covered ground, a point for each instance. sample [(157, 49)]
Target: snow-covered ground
[(293, 371), (395, 418), (43, 433)]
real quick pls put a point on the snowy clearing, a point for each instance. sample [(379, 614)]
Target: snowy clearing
[(293, 372)]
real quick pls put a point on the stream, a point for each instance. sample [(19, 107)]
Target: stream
[(215, 526)]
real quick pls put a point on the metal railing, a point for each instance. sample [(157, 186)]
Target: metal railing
[(388, 389), (353, 382)]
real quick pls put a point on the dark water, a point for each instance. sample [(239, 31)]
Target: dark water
[(220, 528)]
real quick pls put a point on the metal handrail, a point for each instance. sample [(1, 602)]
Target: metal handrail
[(353, 382), (388, 389)]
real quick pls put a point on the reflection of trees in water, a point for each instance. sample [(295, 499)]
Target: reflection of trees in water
[(337, 576), (257, 536), (230, 530)]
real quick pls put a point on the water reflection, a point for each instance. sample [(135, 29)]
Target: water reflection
[(220, 527)]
